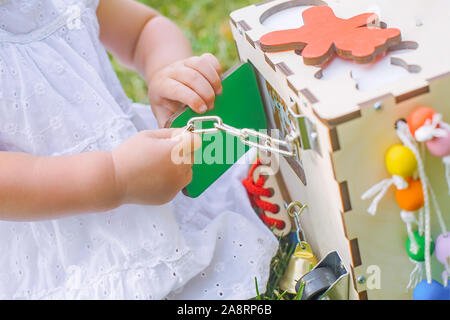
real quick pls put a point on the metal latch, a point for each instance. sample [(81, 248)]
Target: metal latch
[(328, 280), (307, 134), (248, 137)]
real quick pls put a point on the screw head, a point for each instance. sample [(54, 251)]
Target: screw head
[(378, 106)]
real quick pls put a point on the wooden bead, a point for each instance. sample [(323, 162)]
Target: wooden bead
[(401, 161), (443, 248), (418, 117), (431, 291), (410, 199), (440, 147), (420, 254)]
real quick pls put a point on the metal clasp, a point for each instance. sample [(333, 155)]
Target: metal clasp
[(295, 209), (265, 142)]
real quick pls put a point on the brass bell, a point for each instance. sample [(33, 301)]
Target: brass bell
[(302, 261)]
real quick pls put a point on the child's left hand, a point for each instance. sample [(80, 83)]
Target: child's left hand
[(194, 82)]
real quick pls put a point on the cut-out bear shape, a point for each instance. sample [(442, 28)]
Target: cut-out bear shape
[(323, 34)]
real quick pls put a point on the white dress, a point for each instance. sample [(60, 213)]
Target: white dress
[(59, 95)]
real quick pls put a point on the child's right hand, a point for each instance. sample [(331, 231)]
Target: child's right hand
[(194, 82), (147, 166)]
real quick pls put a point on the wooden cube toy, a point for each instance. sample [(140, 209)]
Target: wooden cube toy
[(344, 104)]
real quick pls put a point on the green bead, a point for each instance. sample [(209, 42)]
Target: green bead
[(420, 254)]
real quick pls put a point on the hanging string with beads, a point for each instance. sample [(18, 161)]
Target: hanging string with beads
[(427, 126), (378, 191), (407, 139), (403, 165)]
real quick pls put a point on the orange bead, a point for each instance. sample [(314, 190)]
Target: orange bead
[(410, 199), (418, 117)]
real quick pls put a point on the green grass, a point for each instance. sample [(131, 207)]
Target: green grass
[(278, 267), (206, 24)]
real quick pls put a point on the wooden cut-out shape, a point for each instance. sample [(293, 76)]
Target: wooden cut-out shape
[(323, 34)]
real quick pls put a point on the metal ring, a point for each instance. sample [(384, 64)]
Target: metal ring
[(191, 124), (293, 205)]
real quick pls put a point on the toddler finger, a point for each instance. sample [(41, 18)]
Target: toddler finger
[(162, 115), (198, 83), (193, 142), (207, 70), (184, 94), (183, 145), (213, 61), (162, 133), (186, 175), (190, 141)]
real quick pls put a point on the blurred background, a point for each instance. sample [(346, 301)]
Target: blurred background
[(205, 23)]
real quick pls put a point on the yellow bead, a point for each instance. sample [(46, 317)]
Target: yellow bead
[(401, 161)]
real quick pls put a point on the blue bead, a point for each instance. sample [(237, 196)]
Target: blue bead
[(433, 291)]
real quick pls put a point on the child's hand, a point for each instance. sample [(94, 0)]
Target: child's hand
[(153, 166), (194, 82)]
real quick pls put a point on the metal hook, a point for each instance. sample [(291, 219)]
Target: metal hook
[(295, 214)]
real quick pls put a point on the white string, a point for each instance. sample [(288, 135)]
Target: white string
[(445, 125), (416, 274), (430, 129), (421, 210), (446, 161), (407, 139), (421, 222), (409, 218), (446, 274), (441, 220), (422, 153), (437, 120), (380, 189), (435, 128)]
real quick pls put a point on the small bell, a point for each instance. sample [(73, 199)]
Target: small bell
[(302, 261)]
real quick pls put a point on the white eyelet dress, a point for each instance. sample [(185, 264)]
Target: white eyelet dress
[(59, 95)]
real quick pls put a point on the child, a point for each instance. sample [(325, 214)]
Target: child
[(83, 180)]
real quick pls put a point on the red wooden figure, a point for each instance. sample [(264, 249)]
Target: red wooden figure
[(323, 34)]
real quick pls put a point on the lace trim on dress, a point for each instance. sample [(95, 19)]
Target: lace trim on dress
[(77, 280), (70, 18)]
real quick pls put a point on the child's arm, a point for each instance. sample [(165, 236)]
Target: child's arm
[(158, 50), (141, 170), (34, 188), (122, 25)]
